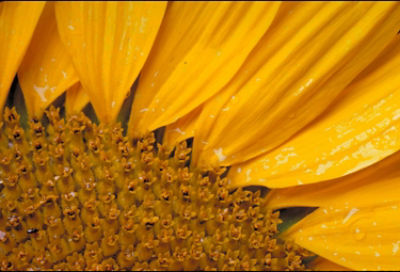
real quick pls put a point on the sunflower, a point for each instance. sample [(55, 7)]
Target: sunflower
[(199, 135)]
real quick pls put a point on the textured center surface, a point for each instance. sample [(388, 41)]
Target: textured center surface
[(76, 195)]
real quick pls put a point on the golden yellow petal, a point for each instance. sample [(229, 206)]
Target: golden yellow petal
[(76, 99), (356, 238), (17, 23), (322, 264), (374, 185), (46, 70), (200, 47), (360, 129), (181, 129), (109, 43), (311, 52)]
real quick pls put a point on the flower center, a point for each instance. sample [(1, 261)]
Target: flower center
[(76, 195)]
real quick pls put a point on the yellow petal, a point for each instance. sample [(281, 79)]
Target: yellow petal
[(181, 129), (322, 264), (76, 99), (200, 47), (17, 23), (361, 128), (360, 239), (302, 64), (376, 184), (46, 70), (109, 43)]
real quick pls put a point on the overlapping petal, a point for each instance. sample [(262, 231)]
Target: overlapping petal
[(322, 264), (46, 70), (362, 239), (76, 99), (377, 184), (17, 23), (181, 129), (360, 129), (200, 47), (300, 67), (109, 43)]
